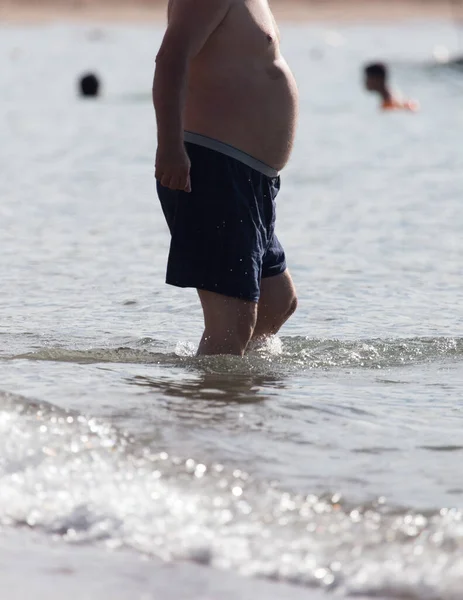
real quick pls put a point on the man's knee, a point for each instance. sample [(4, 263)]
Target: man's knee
[(231, 339), (229, 324), (240, 329), (285, 310), (245, 323), (284, 305), (292, 306)]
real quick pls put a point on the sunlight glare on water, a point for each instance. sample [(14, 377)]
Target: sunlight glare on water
[(330, 457)]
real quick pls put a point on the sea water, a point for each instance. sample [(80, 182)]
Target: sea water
[(330, 458)]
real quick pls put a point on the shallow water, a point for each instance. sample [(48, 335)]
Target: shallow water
[(329, 458)]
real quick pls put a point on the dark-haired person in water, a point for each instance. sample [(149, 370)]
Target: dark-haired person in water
[(89, 85), (226, 108), (376, 80)]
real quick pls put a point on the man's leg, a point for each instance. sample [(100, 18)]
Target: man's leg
[(228, 324), (277, 303)]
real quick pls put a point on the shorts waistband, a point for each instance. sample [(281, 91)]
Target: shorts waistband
[(231, 151)]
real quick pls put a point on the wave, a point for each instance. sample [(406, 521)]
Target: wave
[(79, 478), (285, 354)]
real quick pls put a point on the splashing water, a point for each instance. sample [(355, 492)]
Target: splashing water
[(291, 354), (80, 478)]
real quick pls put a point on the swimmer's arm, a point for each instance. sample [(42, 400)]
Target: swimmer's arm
[(191, 22)]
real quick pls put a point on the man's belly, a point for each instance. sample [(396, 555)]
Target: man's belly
[(255, 112)]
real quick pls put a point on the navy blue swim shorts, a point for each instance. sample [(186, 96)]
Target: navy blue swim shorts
[(223, 231)]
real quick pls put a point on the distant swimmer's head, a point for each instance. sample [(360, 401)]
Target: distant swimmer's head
[(375, 77), (89, 85), (376, 80)]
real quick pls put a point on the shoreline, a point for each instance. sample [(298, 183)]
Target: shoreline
[(143, 11), (58, 570)]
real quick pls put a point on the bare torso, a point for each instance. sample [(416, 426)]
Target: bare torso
[(240, 89)]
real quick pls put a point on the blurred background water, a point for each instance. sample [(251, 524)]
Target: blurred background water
[(331, 457)]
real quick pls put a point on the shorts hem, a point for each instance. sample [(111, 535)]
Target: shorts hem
[(213, 288), (275, 271)]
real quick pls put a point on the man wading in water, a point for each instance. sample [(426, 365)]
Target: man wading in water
[(226, 108)]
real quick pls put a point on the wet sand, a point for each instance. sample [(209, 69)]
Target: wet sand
[(57, 571), (148, 10)]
